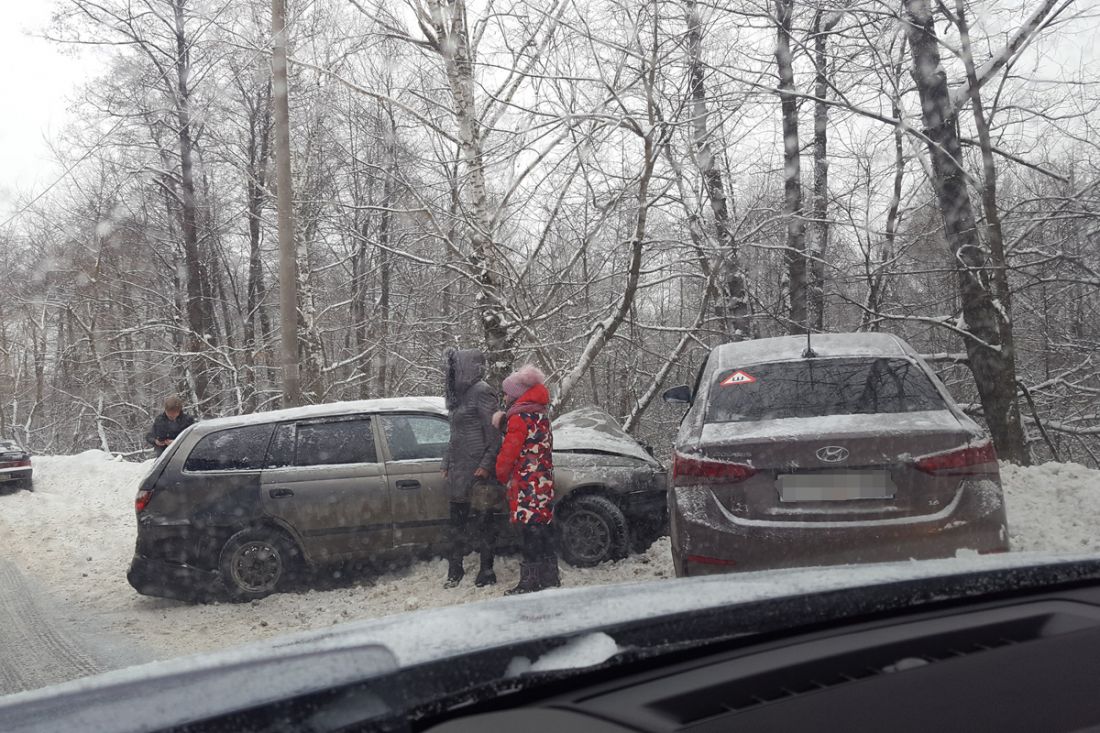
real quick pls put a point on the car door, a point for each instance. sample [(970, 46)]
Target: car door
[(413, 445), (325, 480)]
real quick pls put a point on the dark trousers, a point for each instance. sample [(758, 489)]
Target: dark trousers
[(538, 542), (470, 530)]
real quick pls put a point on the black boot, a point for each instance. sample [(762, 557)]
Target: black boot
[(455, 572), (485, 575), (549, 577), (528, 579)]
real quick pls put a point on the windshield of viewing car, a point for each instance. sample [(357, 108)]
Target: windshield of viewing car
[(442, 318), (819, 387)]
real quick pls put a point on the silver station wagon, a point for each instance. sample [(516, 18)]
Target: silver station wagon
[(241, 505)]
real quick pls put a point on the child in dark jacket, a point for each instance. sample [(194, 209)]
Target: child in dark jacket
[(525, 465)]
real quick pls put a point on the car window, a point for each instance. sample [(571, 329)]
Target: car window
[(415, 437), (818, 387), (335, 442), (281, 451), (236, 449)]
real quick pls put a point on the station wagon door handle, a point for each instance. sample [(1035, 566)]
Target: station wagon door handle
[(408, 484), (280, 493)]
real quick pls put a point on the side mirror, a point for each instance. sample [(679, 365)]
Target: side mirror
[(677, 395), (650, 451)]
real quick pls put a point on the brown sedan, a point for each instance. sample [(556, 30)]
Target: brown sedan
[(852, 452)]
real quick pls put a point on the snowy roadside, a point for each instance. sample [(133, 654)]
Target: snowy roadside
[(75, 534)]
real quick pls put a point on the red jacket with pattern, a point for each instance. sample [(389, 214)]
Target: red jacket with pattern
[(525, 462)]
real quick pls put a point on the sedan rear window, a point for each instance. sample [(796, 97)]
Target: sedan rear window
[(819, 387)]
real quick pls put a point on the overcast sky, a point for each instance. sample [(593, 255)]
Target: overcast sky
[(36, 78)]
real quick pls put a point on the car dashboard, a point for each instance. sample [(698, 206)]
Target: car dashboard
[(1024, 667)]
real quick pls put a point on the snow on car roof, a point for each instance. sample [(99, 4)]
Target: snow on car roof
[(349, 407), (825, 345), (590, 429)]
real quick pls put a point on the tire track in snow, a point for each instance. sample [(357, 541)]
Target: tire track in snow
[(35, 649)]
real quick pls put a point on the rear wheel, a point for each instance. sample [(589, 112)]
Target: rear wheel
[(256, 562), (593, 530)]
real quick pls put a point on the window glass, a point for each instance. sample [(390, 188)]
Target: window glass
[(239, 449), (818, 387), (281, 452), (335, 442), (416, 437)]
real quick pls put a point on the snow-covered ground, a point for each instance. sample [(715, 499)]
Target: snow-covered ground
[(76, 533)]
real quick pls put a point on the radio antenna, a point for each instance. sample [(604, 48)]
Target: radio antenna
[(809, 353)]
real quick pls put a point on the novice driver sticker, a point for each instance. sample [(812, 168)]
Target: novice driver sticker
[(738, 377)]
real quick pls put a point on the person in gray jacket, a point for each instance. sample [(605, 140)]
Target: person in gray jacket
[(470, 457)]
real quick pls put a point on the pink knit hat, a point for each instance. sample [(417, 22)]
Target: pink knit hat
[(521, 380)]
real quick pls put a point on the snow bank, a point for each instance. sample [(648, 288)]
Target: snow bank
[(76, 533), (1054, 507)]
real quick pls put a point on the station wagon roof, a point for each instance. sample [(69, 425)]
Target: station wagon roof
[(826, 345), (330, 409)]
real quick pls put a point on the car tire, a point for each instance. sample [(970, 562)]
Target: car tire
[(257, 562), (27, 484), (592, 530)]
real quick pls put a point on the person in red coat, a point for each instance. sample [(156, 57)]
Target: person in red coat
[(525, 465)]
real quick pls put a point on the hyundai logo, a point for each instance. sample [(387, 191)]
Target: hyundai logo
[(832, 454)]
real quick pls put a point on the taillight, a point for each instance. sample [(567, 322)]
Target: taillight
[(687, 470), (958, 460), (25, 463), (142, 500)]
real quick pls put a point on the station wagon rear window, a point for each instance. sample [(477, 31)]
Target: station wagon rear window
[(236, 449), (335, 443), (819, 387)]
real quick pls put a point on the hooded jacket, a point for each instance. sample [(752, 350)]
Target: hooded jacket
[(470, 403)]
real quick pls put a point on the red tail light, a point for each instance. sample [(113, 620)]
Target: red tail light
[(25, 463), (958, 460), (142, 500), (687, 470)]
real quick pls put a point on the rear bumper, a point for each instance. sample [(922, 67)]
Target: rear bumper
[(172, 580), (15, 474), (708, 539)]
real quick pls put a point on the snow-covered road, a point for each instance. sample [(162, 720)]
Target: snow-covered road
[(74, 537)]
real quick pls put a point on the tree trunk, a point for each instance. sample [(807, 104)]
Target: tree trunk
[(288, 265), (993, 366), (735, 307), (876, 273), (795, 254), (818, 244), (485, 259), (199, 315), (256, 327)]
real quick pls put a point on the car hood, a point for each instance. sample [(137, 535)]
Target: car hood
[(591, 430), (581, 627)]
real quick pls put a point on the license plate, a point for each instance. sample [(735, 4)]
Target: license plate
[(5, 477), (836, 486)]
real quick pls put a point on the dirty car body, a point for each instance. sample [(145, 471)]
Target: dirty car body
[(854, 454), (245, 505)]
